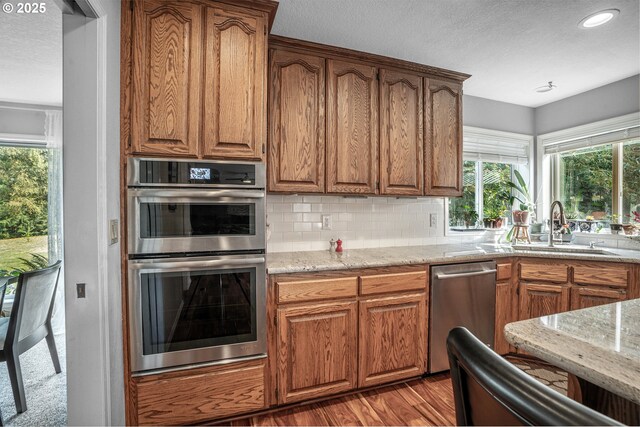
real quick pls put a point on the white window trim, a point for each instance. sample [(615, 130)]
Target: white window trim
[(569, 134), (471, 132)]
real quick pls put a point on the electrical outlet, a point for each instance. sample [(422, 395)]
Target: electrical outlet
[(326, 222), (433, 220), (80, 288)]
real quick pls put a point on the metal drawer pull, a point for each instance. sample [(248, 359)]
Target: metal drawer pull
[(467, 274)]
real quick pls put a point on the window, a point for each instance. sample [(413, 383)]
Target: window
[(490, 157), (589, 183), (485, 193), (631, 177), (586, 182)]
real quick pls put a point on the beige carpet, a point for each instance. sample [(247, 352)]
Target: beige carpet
[(547, 374)]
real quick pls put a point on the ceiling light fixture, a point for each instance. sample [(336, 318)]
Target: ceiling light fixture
[(598, 18), (546, 88)]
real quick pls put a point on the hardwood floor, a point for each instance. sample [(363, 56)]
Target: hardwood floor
[(425, 402)]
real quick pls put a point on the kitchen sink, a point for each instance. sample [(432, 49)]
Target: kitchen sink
[(573, 249)]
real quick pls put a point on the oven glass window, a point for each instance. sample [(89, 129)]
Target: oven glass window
[(195, 309), (159, 220)]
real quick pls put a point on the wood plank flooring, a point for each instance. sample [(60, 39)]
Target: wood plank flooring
[(424, 402)]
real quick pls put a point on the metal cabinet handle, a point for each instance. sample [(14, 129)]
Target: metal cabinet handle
[(467, 274)]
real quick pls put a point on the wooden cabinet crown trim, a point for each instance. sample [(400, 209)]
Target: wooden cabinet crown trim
[(351, 55)]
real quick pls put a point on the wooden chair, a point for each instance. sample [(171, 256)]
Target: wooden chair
[(488, 390), (29, 323)]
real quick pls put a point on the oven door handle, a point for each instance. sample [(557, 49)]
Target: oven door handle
[(182, 263), (172, 193)]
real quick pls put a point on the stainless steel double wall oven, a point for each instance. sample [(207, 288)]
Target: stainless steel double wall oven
[(197, 277)]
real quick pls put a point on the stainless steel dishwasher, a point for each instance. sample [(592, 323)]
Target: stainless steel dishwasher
[(461, 295)]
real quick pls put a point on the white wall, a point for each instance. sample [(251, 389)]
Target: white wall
[(612, 100), (496, 115), (91, 196), (295, 222)]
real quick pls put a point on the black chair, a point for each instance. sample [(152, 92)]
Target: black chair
[(488, 390), (29, 323)]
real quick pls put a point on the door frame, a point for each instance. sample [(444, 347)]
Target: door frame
[(91, 56)]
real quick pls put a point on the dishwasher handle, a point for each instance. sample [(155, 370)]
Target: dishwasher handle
[(441, 276)]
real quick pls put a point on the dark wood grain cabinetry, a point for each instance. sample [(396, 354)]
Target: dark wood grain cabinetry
[(296, 160), (388, 123), (401, 133), (198, 80), (352, 127), (443, 138)]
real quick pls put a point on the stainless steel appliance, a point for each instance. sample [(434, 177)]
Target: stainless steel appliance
[(461, 295), (197, 274), (185, 206)]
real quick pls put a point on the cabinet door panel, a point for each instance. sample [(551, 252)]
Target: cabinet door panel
[(166, 78), (296, 123), (393, 342), (537, 299), (316, 351), (234, 100), (352, 118), (401, 133), (443, 138), (584, 297), (505, 300)]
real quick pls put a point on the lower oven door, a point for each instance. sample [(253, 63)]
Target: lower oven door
[(169, 220), (193, 310)]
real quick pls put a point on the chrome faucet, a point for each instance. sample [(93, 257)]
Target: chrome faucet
[(563, 221)]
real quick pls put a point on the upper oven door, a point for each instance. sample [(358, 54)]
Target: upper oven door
[(163, 221)]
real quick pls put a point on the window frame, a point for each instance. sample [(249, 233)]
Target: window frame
[(493, 137)]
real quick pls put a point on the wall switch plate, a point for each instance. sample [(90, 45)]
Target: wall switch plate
[(80, 288), (433, 218), (113, 231), (326, 222)]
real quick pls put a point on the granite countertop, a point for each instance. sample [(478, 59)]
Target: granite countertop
[(297, 262), (599, 344)]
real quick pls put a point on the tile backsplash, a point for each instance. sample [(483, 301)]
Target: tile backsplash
[(295, 222)]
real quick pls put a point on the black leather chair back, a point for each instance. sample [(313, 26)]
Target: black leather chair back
[(488, 390)]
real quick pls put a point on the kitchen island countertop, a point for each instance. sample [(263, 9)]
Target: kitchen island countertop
[(297, 262), (599, 344)]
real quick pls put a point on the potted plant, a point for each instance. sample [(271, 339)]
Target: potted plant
[(616, 227), (493, 217), (526, 205), (469, 216)]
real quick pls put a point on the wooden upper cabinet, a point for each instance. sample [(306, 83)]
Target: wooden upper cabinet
[(234, 87), (443, 138), (166, 78), (401, 133), (352, 127), (296, 122)]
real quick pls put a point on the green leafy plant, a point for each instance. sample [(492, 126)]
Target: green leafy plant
[(524, 197), (36, 262)]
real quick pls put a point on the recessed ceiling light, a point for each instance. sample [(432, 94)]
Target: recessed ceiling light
[(598, 18), (546, 88)]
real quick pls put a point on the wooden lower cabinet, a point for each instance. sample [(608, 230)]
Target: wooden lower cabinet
[(317, 349), (504, 310), (541, 299), (393, 338), (176, 398), (592, 296)]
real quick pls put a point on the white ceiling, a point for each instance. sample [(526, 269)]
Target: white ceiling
[(31, 56), (510, 47)]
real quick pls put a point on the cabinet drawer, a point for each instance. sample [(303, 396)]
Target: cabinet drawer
[(181, 398), (397, 282), (313, 290), (504, 271), (607, 276), (545, 272)]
